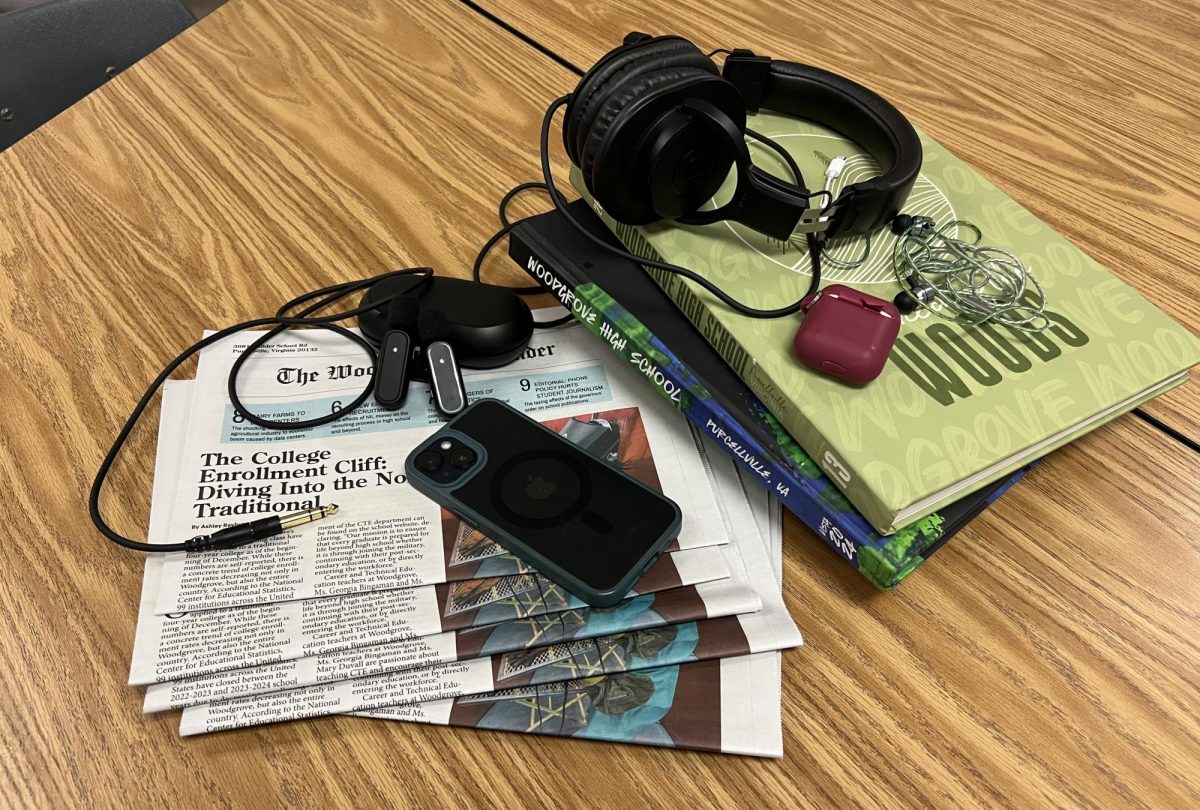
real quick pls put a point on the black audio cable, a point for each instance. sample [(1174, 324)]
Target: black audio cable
[(244, 533), (505, 227)]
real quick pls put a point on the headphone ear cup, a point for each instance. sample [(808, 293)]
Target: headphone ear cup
[(647, 157), (627, 134), (622, 185), (614, 67), (609, 117)]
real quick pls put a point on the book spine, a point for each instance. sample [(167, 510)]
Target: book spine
[(597, 311), (745, 366)]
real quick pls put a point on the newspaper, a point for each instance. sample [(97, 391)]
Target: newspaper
[(769, 629), (185, 644), (730, 705), (624, 652), (706, 600), (387, 535)]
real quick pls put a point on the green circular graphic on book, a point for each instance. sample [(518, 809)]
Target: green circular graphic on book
[(813, 148)]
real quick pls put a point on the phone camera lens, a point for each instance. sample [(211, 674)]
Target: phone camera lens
[(462, 458), (429, 461)]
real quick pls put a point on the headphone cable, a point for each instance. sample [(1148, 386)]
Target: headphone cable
[(506, 226)]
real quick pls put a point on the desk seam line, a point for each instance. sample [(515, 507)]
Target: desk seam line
[(521, 35)]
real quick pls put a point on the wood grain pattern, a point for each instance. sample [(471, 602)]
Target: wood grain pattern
[(1045, 656), (1083, 113)]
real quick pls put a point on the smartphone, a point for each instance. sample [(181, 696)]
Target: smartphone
[(582, 522)]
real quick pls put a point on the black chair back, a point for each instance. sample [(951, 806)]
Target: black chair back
[(53, 54)]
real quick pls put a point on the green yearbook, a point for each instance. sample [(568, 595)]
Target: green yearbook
[(956, 407)]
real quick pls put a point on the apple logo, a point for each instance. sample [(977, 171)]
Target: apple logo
[(539, 488)]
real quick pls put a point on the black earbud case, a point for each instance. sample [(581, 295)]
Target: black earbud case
[(490, 326)]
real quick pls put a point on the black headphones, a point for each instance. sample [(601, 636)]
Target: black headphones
[(655, 128)]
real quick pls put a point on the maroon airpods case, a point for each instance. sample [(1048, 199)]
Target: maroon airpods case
[(847, 334)]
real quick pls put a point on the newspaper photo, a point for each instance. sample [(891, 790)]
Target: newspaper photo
[(729, 705), (386, 535)]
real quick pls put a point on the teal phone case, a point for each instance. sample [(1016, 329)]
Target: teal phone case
[(593, 593)]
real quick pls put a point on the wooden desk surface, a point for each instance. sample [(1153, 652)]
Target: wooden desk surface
[(1047, 655)]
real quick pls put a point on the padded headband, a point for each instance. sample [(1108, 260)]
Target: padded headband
[(619, 68)]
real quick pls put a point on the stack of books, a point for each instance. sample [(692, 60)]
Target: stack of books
[(888, 472)]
